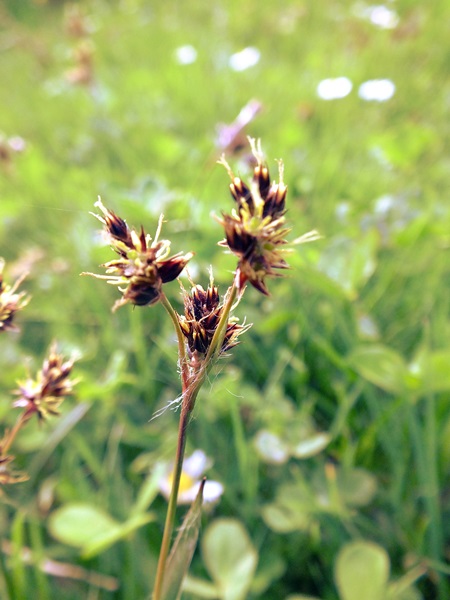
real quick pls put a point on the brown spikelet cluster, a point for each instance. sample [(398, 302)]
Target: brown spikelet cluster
[(78, 26), (11, 301), (202, 313), (43, 396), (255, 231), (143, 264)]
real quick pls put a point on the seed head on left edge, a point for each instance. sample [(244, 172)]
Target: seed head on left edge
[(7, 475), (11, 301), (44, 395), (143, 264)]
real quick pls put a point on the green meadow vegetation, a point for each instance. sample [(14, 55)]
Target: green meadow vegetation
[(328, 425)]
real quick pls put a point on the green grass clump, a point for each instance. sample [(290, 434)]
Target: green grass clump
[(329, 426)]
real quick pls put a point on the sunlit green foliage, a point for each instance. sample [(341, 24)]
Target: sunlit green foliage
[(329, 426)]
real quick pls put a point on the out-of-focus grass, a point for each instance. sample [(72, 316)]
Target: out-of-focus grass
[(371, 176)]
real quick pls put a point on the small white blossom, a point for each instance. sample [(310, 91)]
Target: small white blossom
[(193, 468), (246, 58), (185, 55), (333, 89), (378, 90)]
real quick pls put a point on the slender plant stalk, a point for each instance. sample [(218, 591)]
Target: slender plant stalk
[(171, 509), (21, 420), (181, 343), (190, 391), (219, 334)]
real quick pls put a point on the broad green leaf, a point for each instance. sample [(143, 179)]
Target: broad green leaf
[(282, 520), (230, 558), (292, 510), (432, 369), (270, 447), (89, 528), (78, 524), (357, 486), (183, 550), (362, 571), (103, 541), (380, 365)]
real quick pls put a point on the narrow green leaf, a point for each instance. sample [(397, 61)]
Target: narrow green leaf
[(362, 571), (17, 563), (183, 550), (403, 588), (59, 433), (200, 588), (312, 445), (149, 490)]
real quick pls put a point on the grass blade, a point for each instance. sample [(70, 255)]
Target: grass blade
[(183, 549)]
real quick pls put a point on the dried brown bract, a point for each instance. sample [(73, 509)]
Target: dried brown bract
[(143, 264)]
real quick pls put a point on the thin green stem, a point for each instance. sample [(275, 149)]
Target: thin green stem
[(190, 388), (181, 341), (219, 335), (171, 509), (10, 436), (181, 445)]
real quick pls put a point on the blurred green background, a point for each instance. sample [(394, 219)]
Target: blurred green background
[(330, 424)]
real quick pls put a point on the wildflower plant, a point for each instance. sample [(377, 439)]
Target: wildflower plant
[(41, 396), (11, 301), (255, 232)]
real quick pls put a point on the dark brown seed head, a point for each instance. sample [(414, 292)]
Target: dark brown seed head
[(202, 313), (44, 394), (255, 232), (11, 301), (144, 265)]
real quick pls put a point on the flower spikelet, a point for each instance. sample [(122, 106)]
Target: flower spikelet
[(202, 313), (11, 301), (43, 396), (255, 230), (143, 264), (7, 475)]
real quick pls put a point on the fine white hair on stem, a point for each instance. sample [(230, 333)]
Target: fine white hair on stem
[(171, 405)]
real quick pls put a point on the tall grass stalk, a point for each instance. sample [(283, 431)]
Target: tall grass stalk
[(189, 395)]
